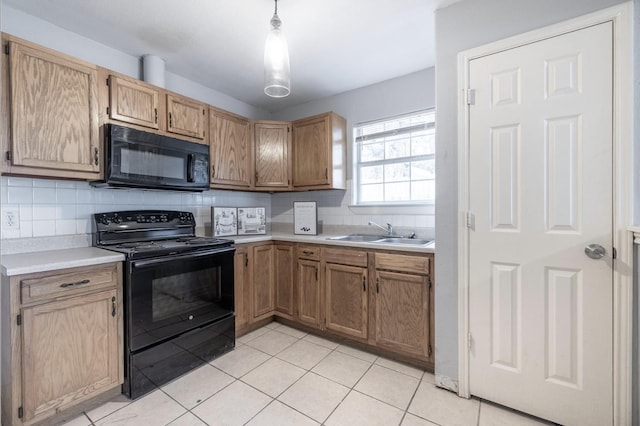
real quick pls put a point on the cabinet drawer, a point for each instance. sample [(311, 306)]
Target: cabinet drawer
[(346, 257), (69, 283), (308, 252), (402, 263)]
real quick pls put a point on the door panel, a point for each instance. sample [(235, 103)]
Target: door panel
[(540, 179)]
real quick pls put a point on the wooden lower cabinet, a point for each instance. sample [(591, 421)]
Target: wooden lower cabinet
[(262, 281), (62, 334), (308, 285), (283, 264), (241, 286), (377, 298), (346, 299), (402, 313), (402, 308)]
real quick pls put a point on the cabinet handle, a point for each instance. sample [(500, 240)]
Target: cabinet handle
[(213, 172), (170, 121), (364, 283), (113, 306), (256, 177), (326, 173), (65, 285), (96, 156), (156, 111), (246, 260), (316, 274), (377, 285)]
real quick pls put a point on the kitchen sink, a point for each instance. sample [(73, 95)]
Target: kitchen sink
[(395, 240), (358, 237), (380, 239)]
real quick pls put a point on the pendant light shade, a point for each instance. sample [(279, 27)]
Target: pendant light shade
[(276, 60)]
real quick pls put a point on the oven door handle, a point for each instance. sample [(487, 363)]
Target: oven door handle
[(164, 259)]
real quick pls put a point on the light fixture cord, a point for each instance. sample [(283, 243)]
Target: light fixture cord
[(276, 12)]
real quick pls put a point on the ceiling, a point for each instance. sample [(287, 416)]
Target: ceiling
[(334, 45)]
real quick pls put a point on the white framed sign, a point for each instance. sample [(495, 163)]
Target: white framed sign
[(224, 221), (252, 220), (305, 217)]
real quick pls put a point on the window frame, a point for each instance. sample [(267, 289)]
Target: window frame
[(357, 163)]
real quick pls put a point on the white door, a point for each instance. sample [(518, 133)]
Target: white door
[(540, 180)]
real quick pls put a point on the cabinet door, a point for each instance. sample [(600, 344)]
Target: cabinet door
[(230, 142), (70, 352), (308, 284), (311, 154), (54, 111), (284, 280), (262, 280), (271, 148), (346, 302), (402, 312), (133, 102), (185, 116), (241, 286)]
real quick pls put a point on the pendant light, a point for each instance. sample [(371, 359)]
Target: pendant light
[(276, 60)]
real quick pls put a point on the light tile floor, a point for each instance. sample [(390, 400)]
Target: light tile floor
[(281, 376)]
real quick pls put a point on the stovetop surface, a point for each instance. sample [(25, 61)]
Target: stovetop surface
[(147, 233)]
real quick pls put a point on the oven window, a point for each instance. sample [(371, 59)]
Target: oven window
[(179, 294)]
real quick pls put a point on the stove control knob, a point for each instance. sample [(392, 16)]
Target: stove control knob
[(117, 220), (105, 220)]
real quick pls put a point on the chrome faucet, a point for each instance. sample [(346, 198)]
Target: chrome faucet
[(389, 228)]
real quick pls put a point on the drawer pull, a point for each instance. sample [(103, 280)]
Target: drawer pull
[(308, 253), (65, 285)]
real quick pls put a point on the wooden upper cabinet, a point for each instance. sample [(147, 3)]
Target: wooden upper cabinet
[(272, 148), (230, 142), (185, 116), (134, 102), (52, 99), (320, 152)]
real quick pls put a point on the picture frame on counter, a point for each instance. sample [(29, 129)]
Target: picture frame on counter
[(305, 218), (224, 221), (252, 220)]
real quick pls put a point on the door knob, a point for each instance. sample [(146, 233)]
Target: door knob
[(595, 251)]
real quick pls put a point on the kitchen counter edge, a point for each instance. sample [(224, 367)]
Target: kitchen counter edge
[(51, 260), (324, 239)]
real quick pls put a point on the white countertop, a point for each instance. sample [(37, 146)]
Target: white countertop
[(39, 261), (324, 239), (26, 263)]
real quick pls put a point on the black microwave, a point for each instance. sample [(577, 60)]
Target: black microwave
[(137, 159)]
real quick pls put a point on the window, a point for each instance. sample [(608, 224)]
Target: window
[(394, 160)]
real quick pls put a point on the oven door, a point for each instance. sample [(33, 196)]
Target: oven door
[(170, 295)]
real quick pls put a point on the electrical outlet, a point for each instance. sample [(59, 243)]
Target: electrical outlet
[(10, 219)]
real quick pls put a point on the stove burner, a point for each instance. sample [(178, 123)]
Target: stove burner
[(196, 240), (142, 245)]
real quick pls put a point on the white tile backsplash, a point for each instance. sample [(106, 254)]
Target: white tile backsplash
[(61, 207)]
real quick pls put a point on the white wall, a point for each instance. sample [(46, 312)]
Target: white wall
[(461, 26), (397, 96)]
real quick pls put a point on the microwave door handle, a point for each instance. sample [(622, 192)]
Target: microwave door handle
[(190, 167)]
